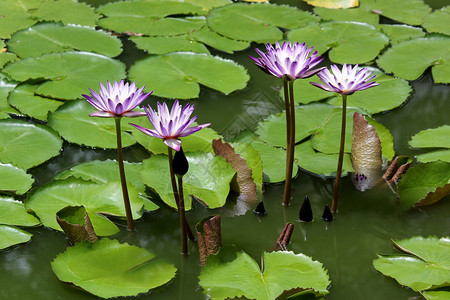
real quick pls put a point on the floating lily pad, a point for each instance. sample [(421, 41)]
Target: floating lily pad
[(355, 15), (13, 212), (427, 265), (107, 268), (400, 33), (19, 141), (212, 39), (27, 102), (411, 12), (6, 86), (443, 155), (333, 3), (389, 94), (208, 179), (68, 12), (68, 74), (98, 199), (54, 37), (411, 58), (208, 4), (319, 163), (199, 141), (14, 179), (10, 236), (257, 22), (432, 138), (178, 75), (167, 44), (436, 295), (16, 16), (154, 18), (72, 121), (438, 21), (349, 42), (282, 274), (425, 184), (7, 57)]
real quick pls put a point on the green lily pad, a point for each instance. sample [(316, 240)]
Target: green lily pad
[(438, 21), (257, 22), (178, 75), (7, 57), (432, 138), (425, 183), (6, 86), (199, 141), (212, 39), (98, 199), (427, 266), (67, 12), (16, 16), (10, 236), (13, 212), (389, 94), (14, 179), (107, 268), (154, 18), (436, 295), (411, 58), (55, 37), (282, 274), (443, 155), (67, 75), (27, 102), (319, 163), (168, 44), (354, 15), (348, 42), (19, 141), (208, 179), (411, 12), (273, 162), (400, 33), (72, 121)]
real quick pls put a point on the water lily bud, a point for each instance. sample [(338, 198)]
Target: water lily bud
[(260, 210), (180, 164), (305, 214), (327, 216)]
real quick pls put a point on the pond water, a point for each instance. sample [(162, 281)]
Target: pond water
[(364, 226)]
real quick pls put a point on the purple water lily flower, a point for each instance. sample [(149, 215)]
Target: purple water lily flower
[(117, 100), (172, 125), (346, 82), (290, 60)]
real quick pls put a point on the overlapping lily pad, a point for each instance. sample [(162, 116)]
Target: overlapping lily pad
[(208, 179), (389, 94), (55, 37), (436, 294), (427, 265), (19, 141), (27, 102), (411, 12), (67, 11), (72, 121), (154, 18), (257, 22), (438, 21), (107, 268), (432, 138), (7, 57), (178, 75), (411, 58), (98, 199), (10, 235), (66, 75), (14, 179), (348, 42), (282, 274), (16, 16), (400, 33), (6, 86), (354, 15)]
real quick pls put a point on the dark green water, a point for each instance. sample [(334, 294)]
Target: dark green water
[(364, 226)]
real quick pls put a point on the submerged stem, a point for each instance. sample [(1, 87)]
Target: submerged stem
[(290, 128), (123, 180), (341, 157)]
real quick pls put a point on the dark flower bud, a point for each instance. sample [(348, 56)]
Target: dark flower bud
[(260, 210), (180, 165), (305, 214), (327, 215)]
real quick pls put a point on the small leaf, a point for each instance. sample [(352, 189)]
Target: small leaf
[(435, 295), (443, 155), (438, 21), (14, 179), (10, 236), (107, 268), (366, 154), (76, 224), (13, 212), (209, 237), (432, 138), (425, 183), (333, 3), (68, 12), (411, 12), (178, 75)]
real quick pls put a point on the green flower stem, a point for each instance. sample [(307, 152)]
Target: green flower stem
[(123, 180), (180, 202), (334, 203), (290, 143)]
